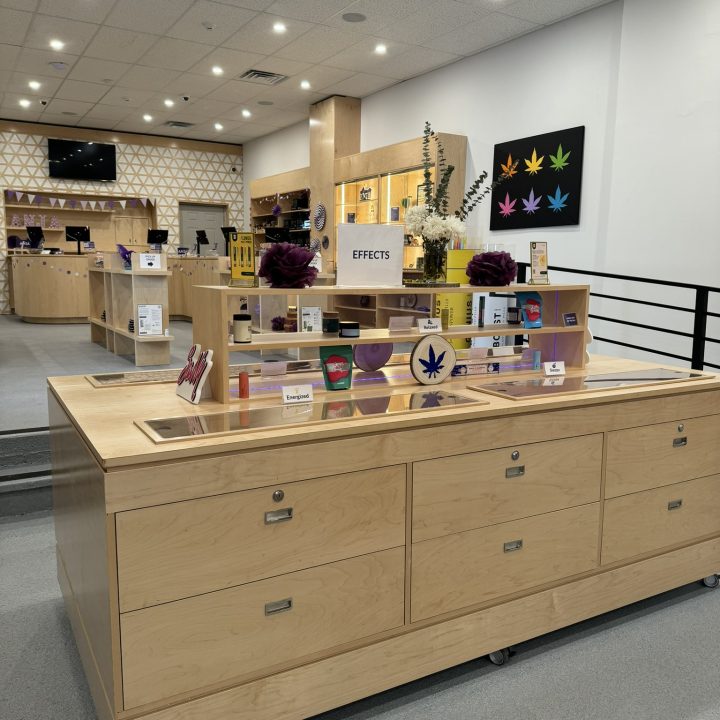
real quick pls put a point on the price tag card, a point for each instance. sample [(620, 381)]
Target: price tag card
[(538, 263), (552, 369), (426, 326), (400, 323), (150, 261), (570, 319), (296, 394)]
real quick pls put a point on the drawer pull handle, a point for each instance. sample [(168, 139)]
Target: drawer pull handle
[(512, 546), (513, 472), (674, 504), (276, 516), (680, 442), (273, 608)]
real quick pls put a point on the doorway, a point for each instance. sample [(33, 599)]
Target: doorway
[(209, 218)]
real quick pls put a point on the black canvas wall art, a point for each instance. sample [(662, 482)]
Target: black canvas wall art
[(544, 188)]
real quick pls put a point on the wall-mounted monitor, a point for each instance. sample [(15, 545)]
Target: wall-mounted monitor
[(74, 160), (157, 237)]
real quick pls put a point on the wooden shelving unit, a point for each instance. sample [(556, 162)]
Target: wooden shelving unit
[(554, 340), (115, 294)]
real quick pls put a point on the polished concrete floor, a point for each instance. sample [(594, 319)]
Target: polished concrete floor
[(655, 660)]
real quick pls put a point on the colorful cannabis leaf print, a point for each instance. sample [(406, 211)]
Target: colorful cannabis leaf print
[(558, 201), (534, 164), (559, 162), (432, 366), (507, 208), (532, 204), (509, 169)]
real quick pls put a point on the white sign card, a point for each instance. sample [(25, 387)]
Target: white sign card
[(400, 323), (150, 320), (295, 394), (429, 325), (539, 263), (311, 319), (191, 381), (556, 367), (369, 255), (150, 261)]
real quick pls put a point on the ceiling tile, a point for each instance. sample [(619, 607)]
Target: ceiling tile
[(11, 101), (286, 118), (321, 76), (27, 5), (384, 15), (311, 10), (491, 30), (75, 34), (287, 94), (58, 107), (92, 70), (233, 62), (108, 112), (94, 12), (415, 61), (8, 55), (258, 5), (14, 26), (281, 66), (38, 62), (194, 86), (362, 58), (83, 91), (153, 17), (319, 44), (237, 91), (63, 120), (97, 123), (5, 77), (144, 78), (360, 85), (545, 13), (175, 54), (124, 97), (226, 20), (121, 45), (18, 82), (257, 36)]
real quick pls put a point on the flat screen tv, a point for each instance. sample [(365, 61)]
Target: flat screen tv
[(73, 160)]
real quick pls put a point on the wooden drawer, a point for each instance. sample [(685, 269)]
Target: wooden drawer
[(656, 455), (173, 551), (655, 519), (189, 644), (485, 488), (472, 567)]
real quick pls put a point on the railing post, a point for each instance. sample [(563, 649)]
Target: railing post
[(700, 328)]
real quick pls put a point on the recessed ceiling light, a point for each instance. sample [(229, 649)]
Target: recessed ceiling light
[(354, 17), (57, 44), (169, 102), (34, 85), (279, 28), (147, 118), (218, 126), (24, 103), (246, 113), (380, 49), (217, 70), (305, 84)]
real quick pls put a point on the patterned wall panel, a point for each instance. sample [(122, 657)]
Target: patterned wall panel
[(168, 176)]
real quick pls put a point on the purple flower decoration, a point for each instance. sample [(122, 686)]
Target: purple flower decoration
[(276, 210), (124, 253), (492, 269), (277, 324), (285, 265)]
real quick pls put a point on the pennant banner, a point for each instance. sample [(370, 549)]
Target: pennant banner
[(31, 199), (53, 202), (84, 204), (132, 203), (122, 203), (12, 195), (61, 202), (19, 196), (143, 201)]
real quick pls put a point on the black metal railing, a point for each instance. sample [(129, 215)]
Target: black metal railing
[(699, 310)]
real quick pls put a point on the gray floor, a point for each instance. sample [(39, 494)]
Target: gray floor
[(655, 660)]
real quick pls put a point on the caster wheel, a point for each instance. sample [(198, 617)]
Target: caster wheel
[(499, 657), (711, 581)]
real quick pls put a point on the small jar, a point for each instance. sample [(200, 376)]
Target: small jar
[(331, 322), (349, 329), (241, 328)]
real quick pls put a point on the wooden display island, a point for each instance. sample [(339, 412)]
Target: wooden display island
[(261, 572)]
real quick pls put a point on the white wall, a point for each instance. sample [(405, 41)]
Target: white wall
[(286, 149)]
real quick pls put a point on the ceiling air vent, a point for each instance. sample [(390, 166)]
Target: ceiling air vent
[(178, 124), (262, 78)]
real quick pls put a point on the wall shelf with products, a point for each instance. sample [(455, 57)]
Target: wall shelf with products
[(116, 295)]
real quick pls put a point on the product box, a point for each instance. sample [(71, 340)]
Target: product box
[(495, 314), (458, 305)]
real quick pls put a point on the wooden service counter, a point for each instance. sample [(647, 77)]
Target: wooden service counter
[(189, 271), (277, 573), (50, 288)]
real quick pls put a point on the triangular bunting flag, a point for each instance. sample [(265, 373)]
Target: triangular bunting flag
[(143, 201), (53, 202), (12, 195), (19, 196), (84, 204), (132, 203), (122, 203), (31, 198), (61, 202)]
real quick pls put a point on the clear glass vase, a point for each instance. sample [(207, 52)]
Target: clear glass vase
[(435, 261)]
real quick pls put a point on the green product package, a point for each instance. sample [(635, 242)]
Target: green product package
[(337, 362)]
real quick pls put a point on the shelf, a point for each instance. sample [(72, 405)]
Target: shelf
[(300, 230), (58, 209), (354, 307), (277, 341), (23, 228), (128, 334), (404, 310)]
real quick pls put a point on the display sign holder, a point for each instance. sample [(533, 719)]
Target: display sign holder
[(242, 260), (369, 255), (538, 264)]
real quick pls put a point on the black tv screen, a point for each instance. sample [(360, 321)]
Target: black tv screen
[(73, 160)]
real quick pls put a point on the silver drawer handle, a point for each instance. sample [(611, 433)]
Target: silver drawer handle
[(674, 504), (680, 442), (276, 516), (512, 546), (273, 608), (513, 472)]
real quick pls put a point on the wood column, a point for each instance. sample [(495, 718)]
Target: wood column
[(334, 133)]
